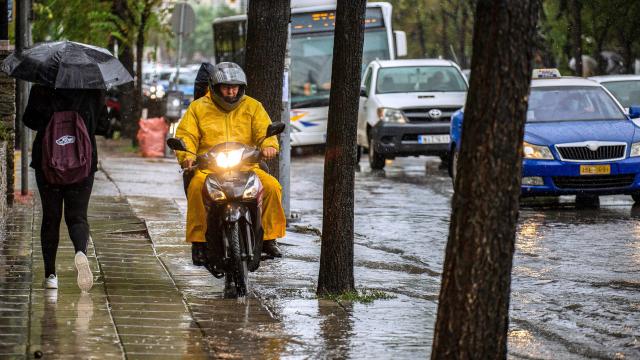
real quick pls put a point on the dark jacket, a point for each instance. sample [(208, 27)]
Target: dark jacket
[(44, 101)]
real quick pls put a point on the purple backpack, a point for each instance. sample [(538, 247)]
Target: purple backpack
[(66, 149)]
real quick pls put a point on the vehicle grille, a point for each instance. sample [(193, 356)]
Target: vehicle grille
[(421, 115), (605, 152), (594, 181)]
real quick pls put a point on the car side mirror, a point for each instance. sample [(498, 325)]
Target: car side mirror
[(363, 91), (176, 144), (634, 111), (275, 129)]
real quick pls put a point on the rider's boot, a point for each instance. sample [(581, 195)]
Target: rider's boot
[(270, 247), (199, 253)]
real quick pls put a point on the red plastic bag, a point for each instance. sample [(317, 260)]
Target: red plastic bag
[(151, 136)]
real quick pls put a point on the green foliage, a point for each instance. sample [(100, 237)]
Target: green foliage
[(200, 43), (436, 28), (607, 25), (364, 296), (71, 20)]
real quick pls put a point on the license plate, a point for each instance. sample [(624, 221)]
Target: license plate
[(595, 169), (433, 139)]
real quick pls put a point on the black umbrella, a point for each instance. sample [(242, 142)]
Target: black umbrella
[(67, 65)]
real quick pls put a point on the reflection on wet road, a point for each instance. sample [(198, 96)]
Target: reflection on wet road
[(576, 275)]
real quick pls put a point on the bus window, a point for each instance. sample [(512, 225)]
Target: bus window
[(229, 41)]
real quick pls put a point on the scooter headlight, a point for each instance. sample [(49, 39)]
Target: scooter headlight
[(229, 159), (252, 189), (214, 191)]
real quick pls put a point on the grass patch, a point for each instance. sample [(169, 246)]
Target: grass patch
[(129, 149), (364, 296)]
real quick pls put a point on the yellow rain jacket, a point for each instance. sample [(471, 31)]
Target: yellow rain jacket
[(206, 125)]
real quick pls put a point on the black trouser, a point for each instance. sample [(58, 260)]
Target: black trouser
[(75, 198)]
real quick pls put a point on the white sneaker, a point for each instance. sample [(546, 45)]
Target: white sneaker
[(51, 282), (85, 277)]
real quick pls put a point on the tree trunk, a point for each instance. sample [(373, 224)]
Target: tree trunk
[(575, 24), (267, 28), (336, 256), (127, 101), (473, 307), (422, 38), (462, 33), (444, 39), (127, 105), (629, 58)]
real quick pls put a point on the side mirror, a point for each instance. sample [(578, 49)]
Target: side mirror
[(176, 144), (401, 43), (634, 111), (275, 129), (363, 91)]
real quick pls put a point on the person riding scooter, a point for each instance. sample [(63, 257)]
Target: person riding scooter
[(226, 114)]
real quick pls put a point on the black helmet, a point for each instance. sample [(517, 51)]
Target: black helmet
[(230, 74)]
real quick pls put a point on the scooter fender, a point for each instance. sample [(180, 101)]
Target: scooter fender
[(233, 212)]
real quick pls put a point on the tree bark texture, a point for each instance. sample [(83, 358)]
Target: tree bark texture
[(121, 11), (444, 36), (463, 21), (473, 307), (267, 27), (575, 23), (336, 257)]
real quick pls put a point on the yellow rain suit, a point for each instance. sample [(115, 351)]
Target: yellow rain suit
[(205, 125)]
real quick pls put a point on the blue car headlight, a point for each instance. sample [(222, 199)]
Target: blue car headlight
[(538, 152), (635, 149)]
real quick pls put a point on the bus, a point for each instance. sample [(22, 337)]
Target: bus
[(311, 52)]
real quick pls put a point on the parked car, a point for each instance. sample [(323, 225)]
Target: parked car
[(186, 84), (406, 107), (578, 141), (626, 88)]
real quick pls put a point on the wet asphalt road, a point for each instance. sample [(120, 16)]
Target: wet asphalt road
[(576, 275)]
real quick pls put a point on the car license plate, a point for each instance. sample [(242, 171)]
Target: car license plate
[(433, 139), (595, 169)]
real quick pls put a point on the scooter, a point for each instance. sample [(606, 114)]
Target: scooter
[(232, 196)]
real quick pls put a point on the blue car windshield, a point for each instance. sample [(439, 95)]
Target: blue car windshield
[(573, 103)]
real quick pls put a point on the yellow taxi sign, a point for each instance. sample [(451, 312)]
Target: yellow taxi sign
[(546, 74)]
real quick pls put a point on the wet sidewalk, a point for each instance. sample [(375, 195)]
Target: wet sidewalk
[(134, 309)]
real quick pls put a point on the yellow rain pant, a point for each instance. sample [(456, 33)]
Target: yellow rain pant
[(273, 218)]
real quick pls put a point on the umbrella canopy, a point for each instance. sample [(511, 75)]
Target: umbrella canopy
[(67, 65)]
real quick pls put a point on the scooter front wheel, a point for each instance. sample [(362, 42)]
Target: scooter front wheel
[(241, 268)]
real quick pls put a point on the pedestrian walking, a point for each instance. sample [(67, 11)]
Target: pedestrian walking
[(64, 180), (67, 109)]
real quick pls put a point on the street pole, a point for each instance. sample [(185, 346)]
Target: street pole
[(285, 137), (22, 90), (182, 7)]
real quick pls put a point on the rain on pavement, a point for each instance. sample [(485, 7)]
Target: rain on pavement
[(574, 290)]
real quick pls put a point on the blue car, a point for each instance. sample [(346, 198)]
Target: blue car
[(578, 141)]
